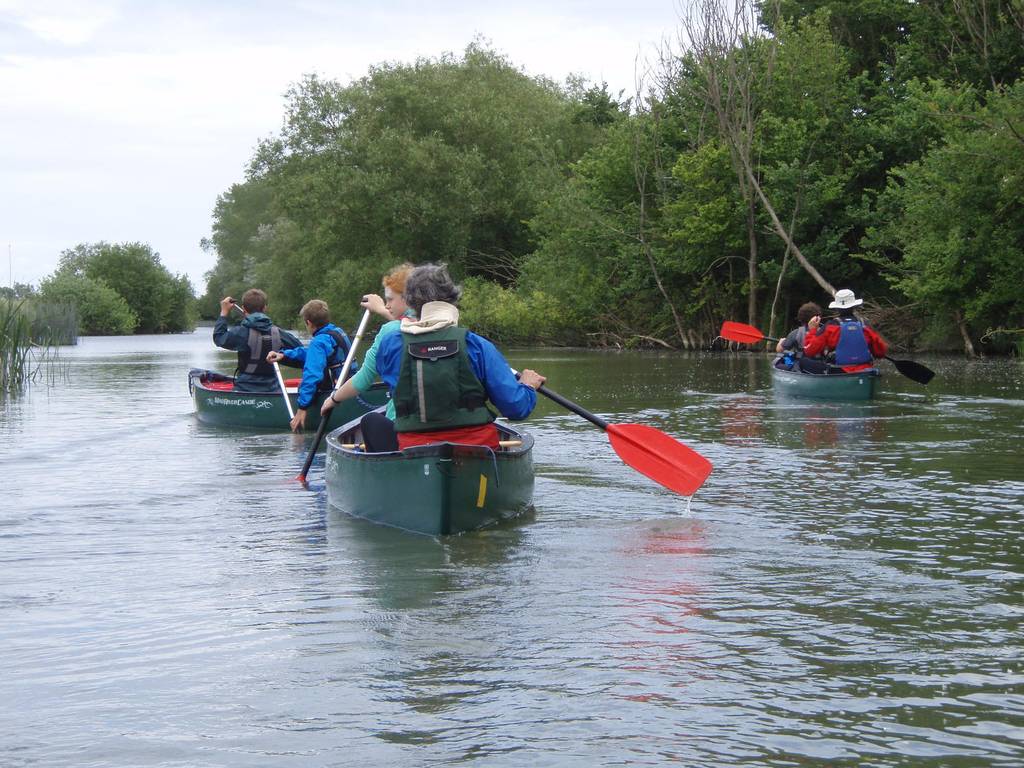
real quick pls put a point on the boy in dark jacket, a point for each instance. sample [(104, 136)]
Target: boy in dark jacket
[(252, 339)]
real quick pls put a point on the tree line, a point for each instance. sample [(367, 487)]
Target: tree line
[(120, 288), (777, 150)]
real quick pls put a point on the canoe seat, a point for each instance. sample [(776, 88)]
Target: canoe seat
[(220, 386)]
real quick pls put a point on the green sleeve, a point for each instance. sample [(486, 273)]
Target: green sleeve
[(367, 373)]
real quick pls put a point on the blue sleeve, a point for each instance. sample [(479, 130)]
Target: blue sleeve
[(225, 339), (289, 340), (512, 399), (389, 359), (313, 370)]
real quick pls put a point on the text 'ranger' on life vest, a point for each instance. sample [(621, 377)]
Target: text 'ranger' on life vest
[(436, 387)]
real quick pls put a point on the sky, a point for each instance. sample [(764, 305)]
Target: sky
[(123, 120)]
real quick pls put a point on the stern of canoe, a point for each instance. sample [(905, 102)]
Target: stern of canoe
[(434, 489), (842, 386)]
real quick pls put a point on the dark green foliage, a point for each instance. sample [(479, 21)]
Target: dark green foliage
[(443, 159), (884, 136), (956, 217), (101, 310), (154, 300)]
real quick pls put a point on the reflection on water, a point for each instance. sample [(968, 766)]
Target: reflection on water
[(845, 589)]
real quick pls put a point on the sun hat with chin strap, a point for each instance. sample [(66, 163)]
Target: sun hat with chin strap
[(845, 299)]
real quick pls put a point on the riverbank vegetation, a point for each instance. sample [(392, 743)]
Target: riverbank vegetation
[(30, 332), (121, 288), (780, 150)]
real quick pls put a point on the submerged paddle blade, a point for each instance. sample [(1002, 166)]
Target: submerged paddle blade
[(912, 370), (740, 332), (660, 457)]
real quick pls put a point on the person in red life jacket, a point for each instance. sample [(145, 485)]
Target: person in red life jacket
[(855, 344), (442, 376), (252, 339), (321, 361)]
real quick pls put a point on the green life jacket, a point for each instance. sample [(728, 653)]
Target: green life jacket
[(436, 387)]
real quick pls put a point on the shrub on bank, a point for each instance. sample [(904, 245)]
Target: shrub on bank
[(101, 310)]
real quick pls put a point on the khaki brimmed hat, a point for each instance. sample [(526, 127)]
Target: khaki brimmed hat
[(845, 300)]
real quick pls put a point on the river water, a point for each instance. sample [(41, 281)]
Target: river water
[(845, 590)]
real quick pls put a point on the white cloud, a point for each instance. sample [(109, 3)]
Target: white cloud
[(125, 121), (67, 22)]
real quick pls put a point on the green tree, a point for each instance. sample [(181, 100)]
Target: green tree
[(160, 301), (956, 218), (444, 158), (102, 311)]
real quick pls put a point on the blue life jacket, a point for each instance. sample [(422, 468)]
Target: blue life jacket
[(336, 359), (852, 348)]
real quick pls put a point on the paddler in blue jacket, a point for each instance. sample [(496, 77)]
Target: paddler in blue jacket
[(321, 361), (443, 376), (252, 339)]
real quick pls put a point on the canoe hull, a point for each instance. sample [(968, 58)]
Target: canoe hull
[(266, 410), (834, 386), (436, 489)]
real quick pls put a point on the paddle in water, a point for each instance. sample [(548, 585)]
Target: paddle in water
[(284, 391), (649, 451), (748, 334), (322, 429)]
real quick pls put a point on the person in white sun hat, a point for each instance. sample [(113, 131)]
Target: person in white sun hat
[(855, 344)]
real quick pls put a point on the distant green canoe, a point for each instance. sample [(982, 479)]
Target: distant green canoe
[(436, 489), (216, 403), (832, 386)]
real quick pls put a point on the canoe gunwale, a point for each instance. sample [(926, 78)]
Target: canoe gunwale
[(196, 381), (264, 410), (442, 488), (349, 433)]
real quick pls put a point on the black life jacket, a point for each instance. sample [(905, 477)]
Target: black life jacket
[(436, 386), (252, 361), (336, 360)]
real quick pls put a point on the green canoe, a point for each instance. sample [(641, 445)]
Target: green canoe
[(831, 386), (216, 403), (433, 489)]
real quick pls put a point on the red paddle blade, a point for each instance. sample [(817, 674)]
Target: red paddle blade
[(741, 332), (660, 457)]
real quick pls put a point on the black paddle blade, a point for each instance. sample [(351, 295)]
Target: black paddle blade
[(913, 370)]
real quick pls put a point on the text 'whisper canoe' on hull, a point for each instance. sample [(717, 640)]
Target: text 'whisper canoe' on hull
[(437, 489), (217, 404)]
